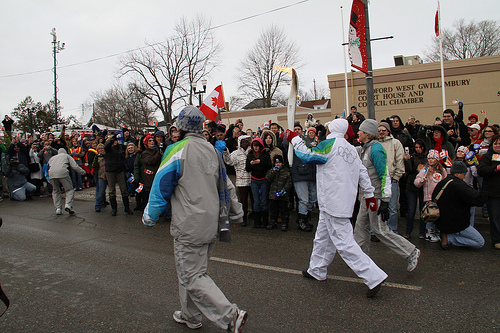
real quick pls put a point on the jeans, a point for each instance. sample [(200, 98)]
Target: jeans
[(260, 202), (412, 199), (22, 192), (469, 237), (306, 192), (393, 207), (76, 178), (494, 215), (100, 192)]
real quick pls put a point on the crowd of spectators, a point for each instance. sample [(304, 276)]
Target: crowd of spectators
[(418, 158)]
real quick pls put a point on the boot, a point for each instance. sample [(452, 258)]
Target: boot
[(126, 203), (302, 222), (265, 219), (245, 220), (114, 205), (256, 220), (308, 218), (272, 223), (284, 225)]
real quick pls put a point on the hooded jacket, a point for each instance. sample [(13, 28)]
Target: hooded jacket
[(59, 165), (258, 171), (374, 158), (273, 150), (395, 156), (339, 170), (238, 160)]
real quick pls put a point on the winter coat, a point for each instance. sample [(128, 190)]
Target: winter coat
[(300, 170), (278, 181), (273, 149), (115, 156), (395, 156), (403, 136), (238, 160), (258, 171), (431, 144), (35, 159), (188, 178), (454, 204), (374, 159), (428, 180), (138, 168), (16, 175), (99, 164), (151, 159), (59, 165), (491, 177), (22, 155), (339, 171), (45, 155), (413, 166)]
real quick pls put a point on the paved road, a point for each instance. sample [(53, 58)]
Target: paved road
[(95, 273)]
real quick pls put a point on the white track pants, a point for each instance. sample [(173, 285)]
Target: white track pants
[(335, 235)]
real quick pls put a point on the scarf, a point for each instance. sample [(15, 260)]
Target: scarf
[(438, 142)]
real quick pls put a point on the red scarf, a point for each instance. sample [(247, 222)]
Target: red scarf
[(438, 142)]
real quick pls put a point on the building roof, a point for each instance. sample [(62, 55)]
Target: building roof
[(317, 104)]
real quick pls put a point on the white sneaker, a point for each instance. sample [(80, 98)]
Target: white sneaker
[(178, 318), (58, 211), (413, 260), (239, 319), (434, 236)]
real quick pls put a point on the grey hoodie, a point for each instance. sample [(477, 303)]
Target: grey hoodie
[(58, 165)]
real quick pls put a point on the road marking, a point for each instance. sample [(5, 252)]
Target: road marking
[(296, 272)]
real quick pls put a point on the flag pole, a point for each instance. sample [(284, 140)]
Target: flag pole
[(226, 105), (345, 65), (370, 96), (441, 57)]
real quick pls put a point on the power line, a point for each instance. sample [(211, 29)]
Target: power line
[(140, 48)]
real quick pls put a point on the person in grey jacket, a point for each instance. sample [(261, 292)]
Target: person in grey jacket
[(59, 175), (193, 179)]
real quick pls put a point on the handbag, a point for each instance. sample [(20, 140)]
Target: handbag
[(34, 167), (430, 212)]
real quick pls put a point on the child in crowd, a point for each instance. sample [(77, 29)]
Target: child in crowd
[(429, 177), (280, 184)]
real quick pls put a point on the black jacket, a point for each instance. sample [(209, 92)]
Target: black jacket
[(491, 177), (258, 171), (454, 204), (114, 157)]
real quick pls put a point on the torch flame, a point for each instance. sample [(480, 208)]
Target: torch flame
[(284, 69)]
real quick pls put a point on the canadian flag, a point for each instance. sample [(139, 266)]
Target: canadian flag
[(212, 103), (436, 23), (266, 124)]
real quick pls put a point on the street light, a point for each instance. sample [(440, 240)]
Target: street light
[(199, 92), (56, 47)]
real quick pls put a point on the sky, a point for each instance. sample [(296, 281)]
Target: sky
[(98, 33)]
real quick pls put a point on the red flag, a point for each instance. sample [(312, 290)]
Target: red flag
[(357, 37), (436, 23), (212, 103), (266, 124)]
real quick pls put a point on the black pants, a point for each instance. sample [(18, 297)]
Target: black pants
[(279, 208)]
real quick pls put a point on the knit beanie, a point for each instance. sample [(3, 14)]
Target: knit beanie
[(146, 139), (433, 154), (463, 149), (190, 119), (458, 167), (386, 125), (311, 129), (473, 116), (277, 159), (369, 126)]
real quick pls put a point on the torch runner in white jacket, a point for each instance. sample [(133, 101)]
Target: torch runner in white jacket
[(339, 172)]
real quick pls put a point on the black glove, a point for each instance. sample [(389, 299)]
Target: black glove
[(384, 211)]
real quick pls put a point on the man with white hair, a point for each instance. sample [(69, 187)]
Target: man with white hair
[(339, 167)]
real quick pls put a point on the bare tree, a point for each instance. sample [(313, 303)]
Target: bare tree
[(466, 40), (259, 78), (163, 72), (119, 105)]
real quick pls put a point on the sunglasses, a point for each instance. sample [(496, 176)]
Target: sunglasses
[(488, 131), (382, 130)]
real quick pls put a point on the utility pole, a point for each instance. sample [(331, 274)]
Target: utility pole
[(370, 98), (57, 46)]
